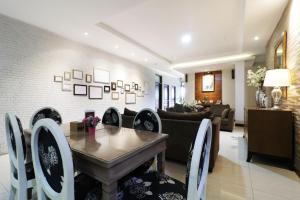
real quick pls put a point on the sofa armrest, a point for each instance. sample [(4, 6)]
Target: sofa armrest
[(215, 145), (231, 115)]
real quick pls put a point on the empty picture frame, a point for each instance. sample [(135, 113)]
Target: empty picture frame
[(77, 74), (113, 86), (95, 92), (80, 90), (58, 79), (66, 87), (88, 78), (115, 95), (127, 88), (136, 86), (67, 76), (119, 83), (101, 76), (130, 98), (106, 89)]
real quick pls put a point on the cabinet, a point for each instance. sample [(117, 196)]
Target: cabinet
[(270, 132)]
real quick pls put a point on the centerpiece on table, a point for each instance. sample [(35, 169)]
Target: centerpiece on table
[(256, 79), (91, 122)]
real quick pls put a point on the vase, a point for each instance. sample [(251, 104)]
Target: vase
[(259, 97), (92, 130)]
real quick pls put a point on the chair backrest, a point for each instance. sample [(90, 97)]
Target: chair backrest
[(46, 112), (112, 117), (52, 161), (17, 152), (147, 120), (199, 164)]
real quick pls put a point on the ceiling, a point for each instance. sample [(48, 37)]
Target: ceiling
[(148, 32)]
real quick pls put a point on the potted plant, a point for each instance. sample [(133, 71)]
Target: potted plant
[(256, 79), (91, 122)]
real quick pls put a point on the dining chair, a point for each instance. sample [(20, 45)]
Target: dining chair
[(46, 112), (147, 120), (53, 165), (153, 185), (22, 178), (112, 117)]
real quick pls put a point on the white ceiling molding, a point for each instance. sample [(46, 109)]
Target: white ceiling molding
[(213, 61)]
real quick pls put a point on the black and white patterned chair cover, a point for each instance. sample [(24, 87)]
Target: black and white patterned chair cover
[(155, 186), (46, 112), (53, 165), (22, 174), (147, 120), (112, 117)]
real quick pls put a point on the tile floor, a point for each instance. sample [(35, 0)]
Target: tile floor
[(232, 179)]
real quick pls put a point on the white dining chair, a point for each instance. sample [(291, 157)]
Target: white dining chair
[(21, 174), (153, 185), (147, 120), (45, 112), (53, 165), (112, 117)]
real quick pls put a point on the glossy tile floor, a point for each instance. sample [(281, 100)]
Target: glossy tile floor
[(232, 179)]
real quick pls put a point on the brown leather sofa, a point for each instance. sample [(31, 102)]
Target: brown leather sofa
[(182, 129), (226, 114)]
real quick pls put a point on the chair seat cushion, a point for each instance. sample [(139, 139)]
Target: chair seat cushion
[(87, 188), (152, 186)]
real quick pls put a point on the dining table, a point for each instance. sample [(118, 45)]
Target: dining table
[(111, 153)]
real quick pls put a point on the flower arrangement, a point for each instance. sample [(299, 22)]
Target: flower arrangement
[(256, 79), (91, 121)]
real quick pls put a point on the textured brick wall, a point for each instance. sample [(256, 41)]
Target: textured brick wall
[(290, 22), (29, 57)]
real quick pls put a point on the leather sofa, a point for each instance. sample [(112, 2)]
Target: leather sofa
[(182, 129)]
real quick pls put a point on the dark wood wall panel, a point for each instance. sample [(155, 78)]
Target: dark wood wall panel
[(216, 95)]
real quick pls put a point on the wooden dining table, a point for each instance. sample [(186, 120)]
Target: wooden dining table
[(112, 153)]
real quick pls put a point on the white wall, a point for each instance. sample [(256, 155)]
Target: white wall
[(190, 88), (30, 57), (240, 84)]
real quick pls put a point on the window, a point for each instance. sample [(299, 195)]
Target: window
[(173, 96), (158, 92), (166, 96)]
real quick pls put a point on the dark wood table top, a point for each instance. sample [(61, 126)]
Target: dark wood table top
[(110, 145)]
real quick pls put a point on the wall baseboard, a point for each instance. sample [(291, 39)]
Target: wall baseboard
[(238, 124)]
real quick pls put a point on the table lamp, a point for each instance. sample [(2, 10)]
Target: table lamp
[(277, 78)]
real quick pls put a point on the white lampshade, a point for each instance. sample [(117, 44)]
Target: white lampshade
[(277, 78)]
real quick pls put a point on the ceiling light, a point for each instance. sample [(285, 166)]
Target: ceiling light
[(256, 38), (132, 54), (86, 34), (117, 46), (186, 38)]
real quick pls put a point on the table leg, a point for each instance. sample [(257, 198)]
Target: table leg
[(110, 191), (161, 159)]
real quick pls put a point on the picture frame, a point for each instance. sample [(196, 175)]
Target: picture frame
[(88, 78), (106, 89), (136, 86), (120, 83), (130, 98), (80, 90), (115, 95), (132, 85), (58, 79), (101, 76), (95, 92), (208, 83), (77, 74), (67, 76), (127, 88), (122, 90), (66, 87), (113, 86)]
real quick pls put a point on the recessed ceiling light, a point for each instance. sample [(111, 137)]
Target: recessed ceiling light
[(85, 33), (132, 54), (186, 38), (256, 38), (146, 59), (117, 46)]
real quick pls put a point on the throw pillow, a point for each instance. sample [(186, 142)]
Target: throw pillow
[(128, 112), (225, 113)]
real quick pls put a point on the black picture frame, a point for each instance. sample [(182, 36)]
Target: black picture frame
[(127, 88), (76, 87), (92, 96), (106, 88), (136, 86), (113, 86)]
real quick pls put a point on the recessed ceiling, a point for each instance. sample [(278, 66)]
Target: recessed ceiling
[(152, 29)]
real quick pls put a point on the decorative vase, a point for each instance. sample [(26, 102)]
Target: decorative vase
[(92, 130), (260, 94)]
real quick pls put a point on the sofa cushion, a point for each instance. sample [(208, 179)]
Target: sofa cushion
[(218, 109), (225, 113), (197, 116), (128, 112), (178, 108)]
